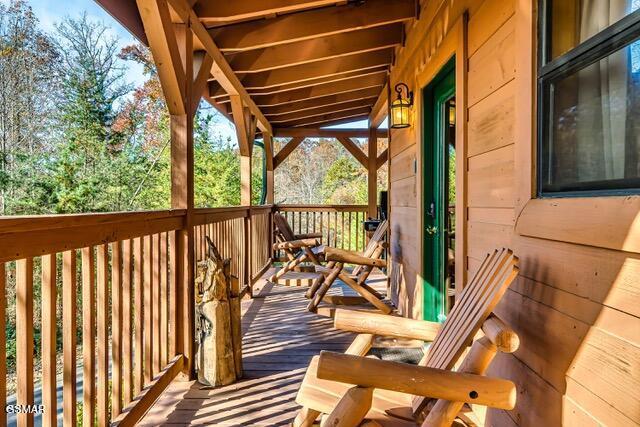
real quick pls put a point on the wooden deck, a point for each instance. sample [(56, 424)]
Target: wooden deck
[(279, 339)]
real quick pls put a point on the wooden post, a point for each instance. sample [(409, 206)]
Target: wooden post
[(182, 196), (268, 150), (372, 187)]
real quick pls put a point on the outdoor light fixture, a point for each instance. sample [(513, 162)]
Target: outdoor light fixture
[(401, 107)]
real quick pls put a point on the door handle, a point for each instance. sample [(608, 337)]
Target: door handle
[(431, 230)]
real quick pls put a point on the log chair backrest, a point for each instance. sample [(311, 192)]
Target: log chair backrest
[(476, 302), (370, 249), (283, 228)]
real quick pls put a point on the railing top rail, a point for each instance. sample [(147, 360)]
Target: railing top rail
[(29, 223), (321, 208)]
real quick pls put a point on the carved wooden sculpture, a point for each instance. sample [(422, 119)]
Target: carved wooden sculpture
[(216, 360)]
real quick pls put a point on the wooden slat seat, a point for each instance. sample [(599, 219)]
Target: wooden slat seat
[(472, 312)]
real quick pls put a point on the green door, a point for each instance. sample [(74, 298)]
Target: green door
[(439, 103)]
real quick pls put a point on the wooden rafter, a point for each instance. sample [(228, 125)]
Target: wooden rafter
[(353, 115), (314, 112), (350, 85), (220, 69), (225, 11), (355, 150), (337, 99), (286, 150), (311, 24), (314, 132), (358, 63), (164, 47), (367, 40)]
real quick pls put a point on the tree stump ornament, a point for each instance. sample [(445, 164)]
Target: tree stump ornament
[(216, 355)]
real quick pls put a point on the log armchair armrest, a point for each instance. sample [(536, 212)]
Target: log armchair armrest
[(385, 325), (296, 244), (417, 380), (351, 257), (309, 236)]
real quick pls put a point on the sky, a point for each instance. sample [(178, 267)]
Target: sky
[(50, 12)]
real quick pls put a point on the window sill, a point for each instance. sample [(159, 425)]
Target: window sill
[(605, 222)]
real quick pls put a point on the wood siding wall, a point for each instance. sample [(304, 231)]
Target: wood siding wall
[(575, 306)]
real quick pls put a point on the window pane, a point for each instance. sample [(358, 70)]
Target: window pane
[(574, 21), (594, 137)]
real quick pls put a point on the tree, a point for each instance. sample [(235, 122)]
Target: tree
[(27, 81)]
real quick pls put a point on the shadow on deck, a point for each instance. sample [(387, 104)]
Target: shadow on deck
[(279, 339)]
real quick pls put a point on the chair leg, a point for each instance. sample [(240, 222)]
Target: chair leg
[(305, 417), (317, 283), (288, 267), (321, 292), (352, 408)]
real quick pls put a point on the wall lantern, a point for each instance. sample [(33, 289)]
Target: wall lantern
[(401, 107)]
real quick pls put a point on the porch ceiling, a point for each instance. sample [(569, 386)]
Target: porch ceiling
[(297, 62)]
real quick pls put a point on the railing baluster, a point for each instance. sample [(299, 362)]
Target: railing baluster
[(164, 314), (49, 296), (138, 272), (116, 329), (148, 308), (102, 310), (127, 349), (69, 337), (156, 304), (88, 336), (24, 337), (174, 279)]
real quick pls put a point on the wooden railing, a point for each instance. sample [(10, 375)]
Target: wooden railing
[(341, 226), (111, 286)]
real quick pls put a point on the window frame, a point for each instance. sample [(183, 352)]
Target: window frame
[(550, 71)]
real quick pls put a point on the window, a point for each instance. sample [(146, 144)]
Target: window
[(589, 97)]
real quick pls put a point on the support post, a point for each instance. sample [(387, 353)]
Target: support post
[(268, 152), (182, 197), (372, 175)]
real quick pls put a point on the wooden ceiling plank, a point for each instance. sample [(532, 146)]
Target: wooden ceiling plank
[(286, 150), (311, 24), (349, 85), (335, 121), (320, 111), (211, 11), (335, 99), (355, 150), (315, 132), (164, 48), (270, 58), (310, 73), (358, 112), (220, 69)]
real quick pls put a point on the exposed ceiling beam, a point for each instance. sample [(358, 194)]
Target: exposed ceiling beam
[(355, 150), (220, 69), (306, 51), (315, 132), (349, 85), (202, 63), (321, 111), (212, 11), (380, 109), (369, 93), (311, 121), (311, 24), (311, 72)]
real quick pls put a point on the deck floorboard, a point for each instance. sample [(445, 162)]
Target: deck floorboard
[(279, 339)]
